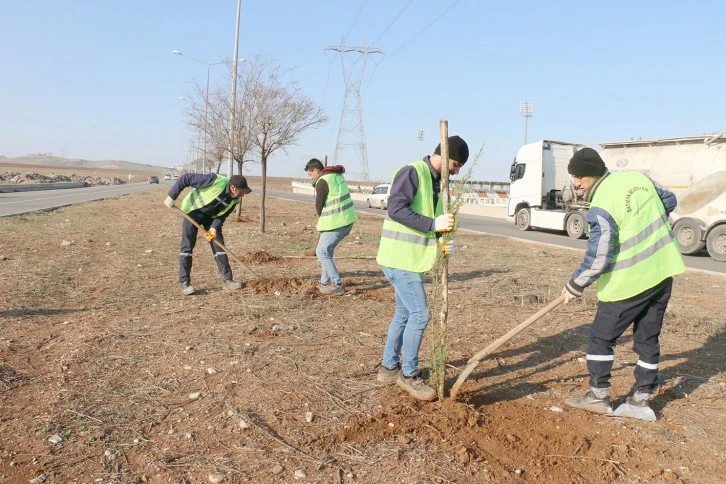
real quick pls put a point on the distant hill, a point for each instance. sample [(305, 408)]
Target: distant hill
[(59, 162)]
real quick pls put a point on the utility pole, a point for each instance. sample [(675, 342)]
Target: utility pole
[(233, 107), (351, 132), (526, 109)]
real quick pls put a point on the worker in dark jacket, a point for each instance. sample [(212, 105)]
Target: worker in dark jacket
[(212, 199), (336, 215), (633, 255)]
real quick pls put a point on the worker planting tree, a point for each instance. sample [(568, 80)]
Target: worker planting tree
[(407, 250)]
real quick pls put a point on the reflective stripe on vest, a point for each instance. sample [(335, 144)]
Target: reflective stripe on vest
[(646, 252), (338, 210), (201, 197), (402, 247)]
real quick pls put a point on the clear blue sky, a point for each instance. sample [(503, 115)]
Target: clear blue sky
[(96, 79)]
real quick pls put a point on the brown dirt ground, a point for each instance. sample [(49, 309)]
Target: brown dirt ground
[(98, 346)]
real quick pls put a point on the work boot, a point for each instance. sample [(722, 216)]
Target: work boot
[(591, 403), (188, 289), (387, 376), (633, 408), (416, 387), (230, 285), (331, 289)]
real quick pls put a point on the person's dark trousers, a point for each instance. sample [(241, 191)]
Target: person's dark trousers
[(645, 311), (189, 240)]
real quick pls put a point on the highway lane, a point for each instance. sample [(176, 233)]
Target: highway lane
[(501, 227), (14, 203), (22, 202)]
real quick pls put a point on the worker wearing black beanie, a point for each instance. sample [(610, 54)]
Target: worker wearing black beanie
[(586, 162), (458, 149)]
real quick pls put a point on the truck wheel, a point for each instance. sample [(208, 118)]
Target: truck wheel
[(716, 243), (688, 235), (522, 220), (369, 203), (576, 226)]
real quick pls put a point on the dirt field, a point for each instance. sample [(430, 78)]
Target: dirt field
[(109, 374)]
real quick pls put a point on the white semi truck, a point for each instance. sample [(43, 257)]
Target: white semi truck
[(542, 196)]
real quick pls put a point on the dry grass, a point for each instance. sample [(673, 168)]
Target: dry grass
[(99, 347)]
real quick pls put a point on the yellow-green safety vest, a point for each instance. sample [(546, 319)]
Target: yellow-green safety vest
[(402, 247), (338, 210), (646, 251), (201, 197)]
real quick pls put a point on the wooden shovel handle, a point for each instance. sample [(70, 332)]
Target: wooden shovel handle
[(474, 360)]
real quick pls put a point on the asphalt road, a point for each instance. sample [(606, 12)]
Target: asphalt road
[(22, 202), (502, 227)]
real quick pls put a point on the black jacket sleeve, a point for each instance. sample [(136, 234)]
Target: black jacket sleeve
[(321, 194)]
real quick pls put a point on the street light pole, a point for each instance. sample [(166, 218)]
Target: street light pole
[(526, 108), (206, 98), (230, 166)]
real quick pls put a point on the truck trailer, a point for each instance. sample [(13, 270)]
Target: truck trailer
[(542, 195)]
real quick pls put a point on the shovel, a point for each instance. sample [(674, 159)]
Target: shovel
[(221, 246), (474, 360)]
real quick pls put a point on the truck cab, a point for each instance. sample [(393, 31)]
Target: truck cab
[(541, 194), (167, 176)]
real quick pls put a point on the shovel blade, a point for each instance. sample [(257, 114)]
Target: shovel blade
[(631, 411)]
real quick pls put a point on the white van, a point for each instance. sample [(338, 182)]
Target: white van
[(379, 196)]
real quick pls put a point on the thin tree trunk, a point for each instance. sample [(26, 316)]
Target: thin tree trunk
[(239, 205), (444, 133), (264, 189)]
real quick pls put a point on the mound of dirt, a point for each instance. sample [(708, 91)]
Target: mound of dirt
[(259, 257), (279, 284)]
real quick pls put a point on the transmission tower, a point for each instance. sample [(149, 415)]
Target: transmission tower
[(351, 132)]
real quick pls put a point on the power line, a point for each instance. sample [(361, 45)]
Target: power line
[(400, 12), (360, 9), (405, 44), (438, 17)]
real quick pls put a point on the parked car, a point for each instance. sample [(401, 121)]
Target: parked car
[(153, 179), (379, 196)]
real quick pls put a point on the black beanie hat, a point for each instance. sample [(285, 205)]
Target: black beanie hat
[(586, 162), (458, 149)]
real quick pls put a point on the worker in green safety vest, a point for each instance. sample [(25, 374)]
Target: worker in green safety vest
[(212, 198), (410, 241), (336, 216), (633, 256)]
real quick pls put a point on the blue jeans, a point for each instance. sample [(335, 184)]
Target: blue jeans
[(326, 246), (409, 321)]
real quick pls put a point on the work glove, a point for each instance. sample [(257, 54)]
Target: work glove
[(211, 235), (570, 293), (169, 202), (446, 246), (444, 223)]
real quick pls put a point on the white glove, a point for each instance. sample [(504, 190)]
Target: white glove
[(444, 223), (169, 202), (570, 293), (447, 247)]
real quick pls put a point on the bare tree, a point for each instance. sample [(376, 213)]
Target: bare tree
[(270, 115), (275, 113)]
